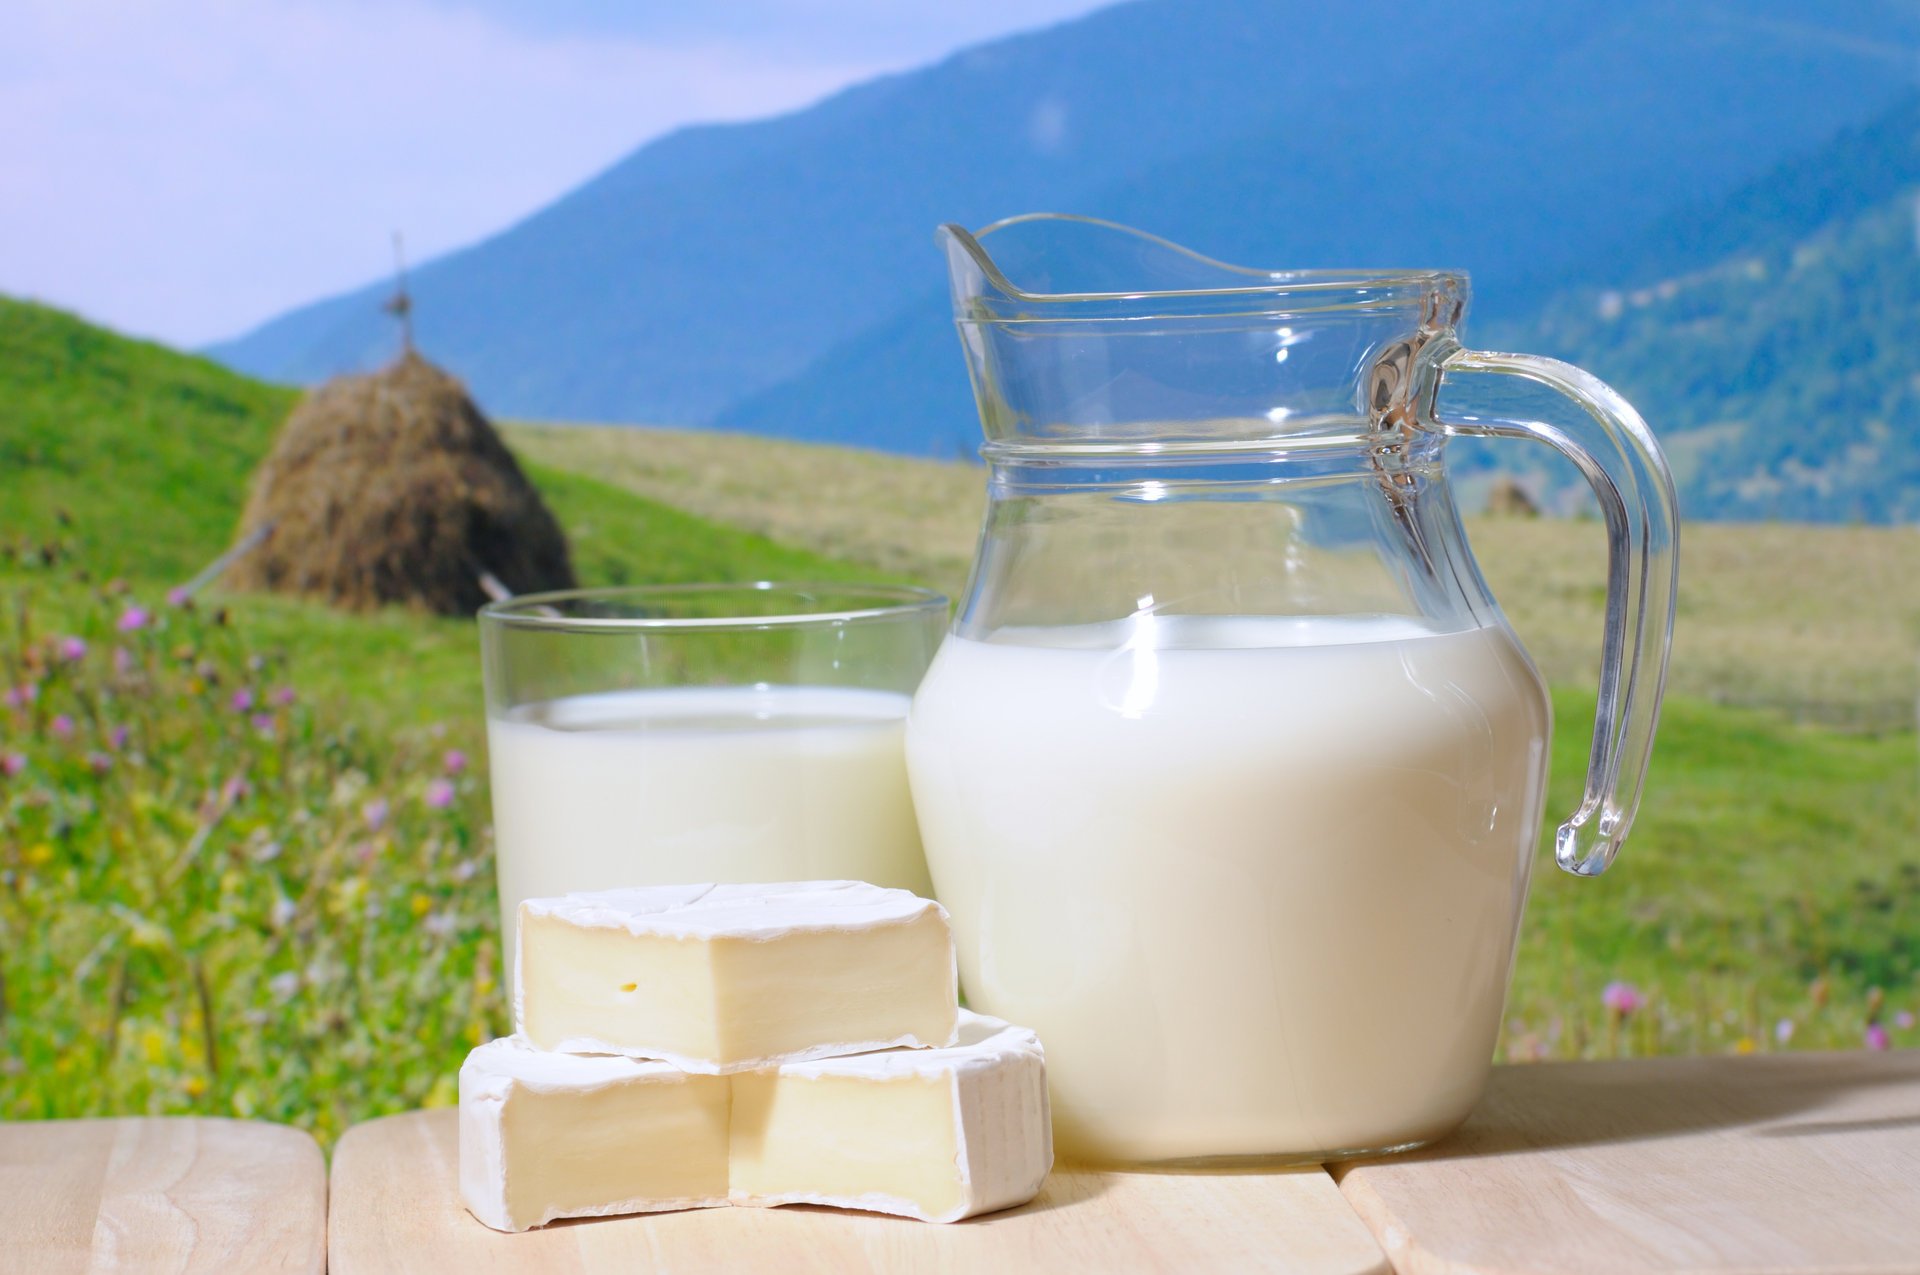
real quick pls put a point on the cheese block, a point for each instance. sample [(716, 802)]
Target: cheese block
[(725, 978), (937, 1134), (545, 1136)]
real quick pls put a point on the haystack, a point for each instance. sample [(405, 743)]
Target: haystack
[(1508, 498), (393, 488)]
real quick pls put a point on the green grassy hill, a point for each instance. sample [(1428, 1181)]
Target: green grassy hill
[(246, 863)]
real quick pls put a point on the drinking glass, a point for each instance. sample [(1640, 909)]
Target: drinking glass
[(678, 734)]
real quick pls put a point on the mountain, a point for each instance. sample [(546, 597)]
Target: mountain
[(1783, 375), (780, 274)]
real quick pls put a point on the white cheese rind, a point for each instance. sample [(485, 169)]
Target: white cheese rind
[(917, 995), (492, 1077)]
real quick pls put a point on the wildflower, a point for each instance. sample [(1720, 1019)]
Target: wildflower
[(1783, 1030), (267, 853), (375, 814), (22, 695), (1622, 998), (1877, 1037), (12, 764), (284, 696), (73, 649), (466, 870), (263, 722), (39, 855), (441, 924), (134, 618), (282, 912), (454, 762), (179, 596), (1745, 1045), (1904, 1020), (234, 790), (242, 699), (420, 904), (440, 794), (284, 985), (117, 737), (122, 660), (61, 726), (99, 763)]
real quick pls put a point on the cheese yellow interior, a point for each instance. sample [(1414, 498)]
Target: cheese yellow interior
[(567, 1152), (731, 1000)]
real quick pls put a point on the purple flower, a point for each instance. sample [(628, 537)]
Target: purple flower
[(1877, 1037), (117, 737), (1622, 998), (61, 726), (133, 619), (1783, 1030), (23, 695), (73, 649), (242, 699), (440, 794), (284, 696), (122, 659), (179, 596), (12, 764), (455, 761), (233, 790), (1904, 1020), (375, 813), (263, 722), (99, 763)]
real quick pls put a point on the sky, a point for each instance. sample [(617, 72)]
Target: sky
[(183, 169)]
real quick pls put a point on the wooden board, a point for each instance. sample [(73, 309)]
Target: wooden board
[(1807, 1162), (395, 1208), (160, 1194)]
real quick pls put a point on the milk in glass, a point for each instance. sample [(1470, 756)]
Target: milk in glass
[(672, 786), (1254, 882)]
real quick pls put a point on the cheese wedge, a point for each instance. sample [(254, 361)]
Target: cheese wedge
[(725, 978), (936, 1134), (545, 1136)]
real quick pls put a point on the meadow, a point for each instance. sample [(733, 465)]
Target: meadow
[(244, 860)]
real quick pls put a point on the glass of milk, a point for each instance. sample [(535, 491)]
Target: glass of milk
[(690, 733)]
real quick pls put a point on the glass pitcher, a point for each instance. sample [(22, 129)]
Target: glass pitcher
[(1230, 770)]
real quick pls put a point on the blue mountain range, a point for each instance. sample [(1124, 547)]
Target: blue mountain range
[(781, 276)]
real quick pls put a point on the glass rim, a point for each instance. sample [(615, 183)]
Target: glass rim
[(872, 602)]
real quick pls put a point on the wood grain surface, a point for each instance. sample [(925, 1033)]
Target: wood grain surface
[(160, 1194), (395, 1208), (1789, 1163)]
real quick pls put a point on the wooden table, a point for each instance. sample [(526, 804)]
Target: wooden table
[(165, 1194), (1795, 1163)]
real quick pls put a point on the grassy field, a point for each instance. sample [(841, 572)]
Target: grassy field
[(244, 861), (1821, 623)]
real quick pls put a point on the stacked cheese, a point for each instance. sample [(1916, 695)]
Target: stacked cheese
[(747, 1044)]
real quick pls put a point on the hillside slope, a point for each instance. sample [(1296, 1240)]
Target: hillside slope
[(720, 262)]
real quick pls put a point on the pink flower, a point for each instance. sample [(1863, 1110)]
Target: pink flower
[(73, 649), (179, 596), (455, 761), (117, 737), (12, 764), (99, 763), (1783, 1030), (122, 659), (62, 727), (1904, 1020), (284, 695), (263, 722), (233, 790), (23, 695), (440, 794), (375, 814), (1622, 998), (242, 699), (133, 619), (1877, 1037)]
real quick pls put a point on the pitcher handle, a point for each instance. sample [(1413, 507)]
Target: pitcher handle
[(1635, 489)]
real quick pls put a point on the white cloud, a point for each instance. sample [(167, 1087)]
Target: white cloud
[(184, 168)]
